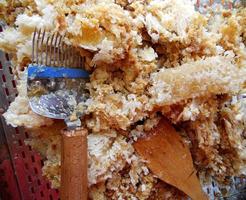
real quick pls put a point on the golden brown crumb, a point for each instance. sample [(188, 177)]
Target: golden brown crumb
[(146, 59)]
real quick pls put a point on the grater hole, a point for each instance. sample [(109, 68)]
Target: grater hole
[(1, 29), (29, 147), (208, 191), (2, 172), (7, 91), (20, 142), (212, 183), (26, 166), (51, 198), (48, 186), (57, 191), (4, 184), (7, 56), (10, 70), (42, 194), (26, 134), (39, 182), (3, 78), (35, 170), (1, 67), (33, 159), (13, 84), (42, 163), (23, 154), (17, 131), (29, 179), (32, 190)]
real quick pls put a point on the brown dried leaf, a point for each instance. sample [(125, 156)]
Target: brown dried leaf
[(169, 158)]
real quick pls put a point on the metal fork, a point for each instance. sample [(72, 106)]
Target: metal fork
[(56, 85), (53, 78)]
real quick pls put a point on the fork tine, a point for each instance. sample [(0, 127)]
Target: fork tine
[(59, 51), (55, 50), (71, 51), (83, 62), (63, 51), (70, 56), (66, 60), (50, 52), (33, 44), (46, 50), (42, 42), (79, 61), (78, 57), (37, 47), (62, 55), (75, 60), (66, 54)]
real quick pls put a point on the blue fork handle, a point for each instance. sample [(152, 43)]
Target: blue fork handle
[(37, 71)]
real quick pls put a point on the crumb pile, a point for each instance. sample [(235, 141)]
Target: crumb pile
[(147, 59)]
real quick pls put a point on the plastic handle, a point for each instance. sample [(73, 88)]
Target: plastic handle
[(55, 72)]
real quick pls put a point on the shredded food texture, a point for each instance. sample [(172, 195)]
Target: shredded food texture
[(147, 59)]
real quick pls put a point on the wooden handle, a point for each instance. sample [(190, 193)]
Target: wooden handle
[(74, 165)]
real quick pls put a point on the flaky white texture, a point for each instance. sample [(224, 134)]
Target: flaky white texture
[(46, 20), (215, 75), (107, 154), (19, 112), (169, 19), (145, 58)]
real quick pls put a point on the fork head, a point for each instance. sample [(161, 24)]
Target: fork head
[(55, 90), (51, 50)]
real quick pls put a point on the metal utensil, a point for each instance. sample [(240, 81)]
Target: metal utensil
[(56, 89)]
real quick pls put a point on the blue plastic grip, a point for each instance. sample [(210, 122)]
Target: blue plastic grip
[(37, 71)]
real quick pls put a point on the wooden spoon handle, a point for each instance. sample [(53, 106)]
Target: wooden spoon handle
[(74, 165)]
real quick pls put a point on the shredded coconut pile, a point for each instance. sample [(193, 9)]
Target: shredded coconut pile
[(147, 59)]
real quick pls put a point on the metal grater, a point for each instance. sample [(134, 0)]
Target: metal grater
[(20, 166)]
